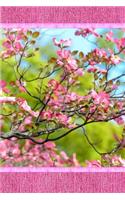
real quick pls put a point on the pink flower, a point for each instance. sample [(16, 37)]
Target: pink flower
[(63, 119), (34, 155), (2, 84), (93, 69), (7, 99), (8, 53), (21, 86), (62, 43), (103, 71), (13, 44), (66, 59), (86, 31), (120, 43), (72, 96), (63, 54), (120, 105), (101, 98), (114, 86), (92, 108), (50, 145), (3, 87), (115, 60), (11, 36), (92, 62), (118, 161), (59, 62), (1, 122), (53, 84), (3, 149), (46, 115), (28, 120), (18, 46), (79, 72), (100, 52), (94, 163), (75, 161), (109, 36), (7, 44), (16, 151), (120, 120), (71, 64), (20, 34), (64, 155), (24, 106)]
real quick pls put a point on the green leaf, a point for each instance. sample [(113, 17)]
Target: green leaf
[(74, 52), (81, 55), (32, 42), (29, 33), (35, 34)]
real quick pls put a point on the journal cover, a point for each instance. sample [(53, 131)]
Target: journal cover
[(62, 95)]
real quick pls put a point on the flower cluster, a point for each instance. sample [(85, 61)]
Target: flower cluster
[(107, 161), (101, 98), (62, 43), (11, 154), (66, 60), (3, 87), (58, 117), (59, 103), (84, 32), (16, 43), (119, 42), (98, 56), (25, 107), (13, 44)]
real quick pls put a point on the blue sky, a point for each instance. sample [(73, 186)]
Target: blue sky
[(78, 43)]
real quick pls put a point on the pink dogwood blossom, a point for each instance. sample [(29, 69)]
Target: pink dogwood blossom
[(101, 98), (62, 43), (109, 36), (34, 156), (115, 60), (24, 106), (86, 31), (3, 87), (5, 99)]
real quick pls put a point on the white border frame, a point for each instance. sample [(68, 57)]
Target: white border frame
[(62, 3)]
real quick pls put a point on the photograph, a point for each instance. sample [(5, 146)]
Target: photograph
[(62, 95)]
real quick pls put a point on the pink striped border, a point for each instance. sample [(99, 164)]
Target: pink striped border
[(45, 15), (62, 179)]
